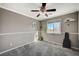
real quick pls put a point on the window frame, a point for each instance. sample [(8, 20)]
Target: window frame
[(54, 32)]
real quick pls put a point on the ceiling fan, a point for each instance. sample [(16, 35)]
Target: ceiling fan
[(43, 10)]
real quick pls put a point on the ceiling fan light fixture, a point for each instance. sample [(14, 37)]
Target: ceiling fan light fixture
[(43, 10)]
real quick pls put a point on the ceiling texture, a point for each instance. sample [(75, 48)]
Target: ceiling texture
[(25, 9)]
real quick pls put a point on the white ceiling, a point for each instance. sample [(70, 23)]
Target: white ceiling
[(24, 9)]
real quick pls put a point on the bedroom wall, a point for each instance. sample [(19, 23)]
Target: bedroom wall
[(78, 30), (58, 38), (15, 30)]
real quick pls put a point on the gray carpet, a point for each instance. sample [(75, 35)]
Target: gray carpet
[(41, 49)]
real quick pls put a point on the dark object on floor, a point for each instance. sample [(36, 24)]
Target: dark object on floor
[(41, 38), (66, 41)]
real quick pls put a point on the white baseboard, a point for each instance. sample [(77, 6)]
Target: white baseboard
[(15, 47), (61, 45), (75, 48), (53, 42)]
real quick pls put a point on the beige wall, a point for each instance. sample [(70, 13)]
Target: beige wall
[(13, 23), (15, 30), (58, 38), (78, 30)]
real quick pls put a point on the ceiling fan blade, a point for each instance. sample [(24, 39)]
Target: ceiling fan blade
[(38, 15), (43, 5), (50, 10), (34, 10)]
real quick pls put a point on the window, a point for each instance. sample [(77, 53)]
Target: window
[(54, 27)]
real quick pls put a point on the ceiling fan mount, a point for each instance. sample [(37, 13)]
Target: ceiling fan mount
[(43, 10)]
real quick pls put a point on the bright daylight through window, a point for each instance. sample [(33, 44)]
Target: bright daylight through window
[(54, 27)]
